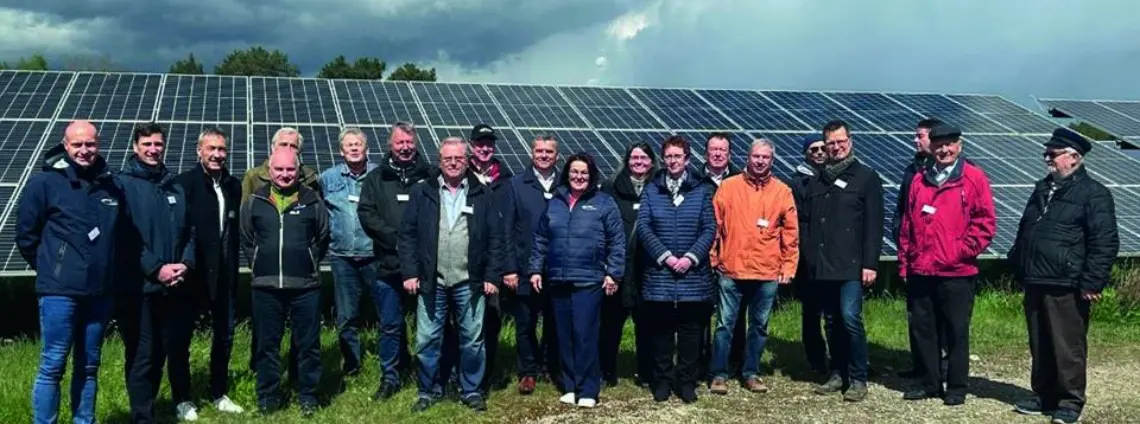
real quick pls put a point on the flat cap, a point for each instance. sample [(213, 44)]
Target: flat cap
[(944, 131), (810, 139), (483, 132), (1064, 138)]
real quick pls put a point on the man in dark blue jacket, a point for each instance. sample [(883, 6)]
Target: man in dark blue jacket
[(66, 230), (157, 308), (815, 346), (530, 190)]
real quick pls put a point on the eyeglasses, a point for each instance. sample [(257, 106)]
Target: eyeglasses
[(835, 142), (1055, 154), (453, 159), (674, 157)]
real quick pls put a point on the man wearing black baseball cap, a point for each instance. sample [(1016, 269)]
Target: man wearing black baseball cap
[(1062, 256)]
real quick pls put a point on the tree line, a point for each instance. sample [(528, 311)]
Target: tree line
[(254, 61)]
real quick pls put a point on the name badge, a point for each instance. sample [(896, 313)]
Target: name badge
[(295, 212), (636, 206), (171, 199), (401, 198), (469, 210), (677, 200), (548, 196), (841, 183), (94, 233), (762, 223), (928, 209), (353, 199), (230, 215)]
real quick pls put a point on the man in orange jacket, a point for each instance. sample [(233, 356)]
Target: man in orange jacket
[(756, 248)]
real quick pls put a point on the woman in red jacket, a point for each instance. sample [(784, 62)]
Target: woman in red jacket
[(947, 222)]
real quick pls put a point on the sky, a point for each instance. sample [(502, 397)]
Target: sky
[(1014, 48)]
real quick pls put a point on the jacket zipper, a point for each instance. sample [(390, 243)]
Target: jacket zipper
[(280, 247)]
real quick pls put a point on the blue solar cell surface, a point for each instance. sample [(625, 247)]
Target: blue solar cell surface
[(112, 96), (1116, 123), (377, 102), (292, 100), (942, 107), (751, 110), (611, 108), (815, 110), (17, 141), (31, 95), (201, 98)]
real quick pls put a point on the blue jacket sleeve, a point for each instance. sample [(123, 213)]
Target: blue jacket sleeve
[(31, 221), (707, 228), (615, 242), (644, 230), (408, 245), (541, 243)]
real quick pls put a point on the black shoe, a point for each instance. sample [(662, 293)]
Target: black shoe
[(475, 402), (309, 409), (1066, 416), (954, 400), (920, 395), (385, 392), (661, 393), (1032, 407), (688, 393), (421, 405)]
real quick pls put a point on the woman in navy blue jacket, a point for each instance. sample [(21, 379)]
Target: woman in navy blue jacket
[(676, 227), (579, 246)]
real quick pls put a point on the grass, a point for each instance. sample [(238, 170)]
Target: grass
[(997, 337)]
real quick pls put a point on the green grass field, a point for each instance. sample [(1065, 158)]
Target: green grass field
[(998, 338)]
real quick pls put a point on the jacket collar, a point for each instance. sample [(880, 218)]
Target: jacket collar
[(305, 195), (343, 169), (623, 184), (474, 187), (930, 172), (419, 169), (136, 168), (204, 175), (659, 180), (56, 160)]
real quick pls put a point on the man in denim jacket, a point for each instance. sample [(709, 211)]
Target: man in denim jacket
[(350, 251)]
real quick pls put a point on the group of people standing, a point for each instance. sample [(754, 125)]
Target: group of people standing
[(460, 246)]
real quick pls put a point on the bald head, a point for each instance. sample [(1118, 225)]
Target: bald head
[(81, 141), (283, 166)]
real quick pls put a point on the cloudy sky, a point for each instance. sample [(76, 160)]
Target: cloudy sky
[(1016, 48)]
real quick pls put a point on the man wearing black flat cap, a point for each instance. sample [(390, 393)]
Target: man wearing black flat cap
[(1063, 254)]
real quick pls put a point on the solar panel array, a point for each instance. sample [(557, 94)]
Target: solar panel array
[(1119, 118), (1001, 136)]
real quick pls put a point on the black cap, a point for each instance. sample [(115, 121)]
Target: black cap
[(1064, 137), (483, 132), (944, 131)]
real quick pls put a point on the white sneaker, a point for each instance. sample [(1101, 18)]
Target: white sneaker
[(186, 411), (567, 399), (224, 404), (587, 403)]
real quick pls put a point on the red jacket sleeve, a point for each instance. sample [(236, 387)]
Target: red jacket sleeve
[(982, 223)]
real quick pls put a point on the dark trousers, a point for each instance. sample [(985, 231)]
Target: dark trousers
[(949, 300), (811, 314), (915, 361), (533, 354), (156, 327), (1058, 319), (578, 315), (677, 329), (351, 277), (254, 338), (643, 342), (222, 339), (614, 314), (492, 327), (302, 308)]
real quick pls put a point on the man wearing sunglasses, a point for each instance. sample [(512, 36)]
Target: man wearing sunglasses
[(815, 155), (1062, 256)]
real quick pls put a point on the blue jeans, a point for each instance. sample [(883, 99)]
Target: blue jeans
[(67, 321), (843, 312), (578, 317), (758, 297), (350, 275), (388, 295), (431, 316)]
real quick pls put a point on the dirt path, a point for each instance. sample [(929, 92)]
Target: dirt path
[(996, 383)]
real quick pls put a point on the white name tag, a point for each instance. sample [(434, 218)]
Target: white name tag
[(841, 183), (928, 209), (295, 212), (762, 223), (469, 210), (401, 198), (548, 196), (171, 199), (230, 215), (636, 206), (677, 200), (91, 235), (353, 199)]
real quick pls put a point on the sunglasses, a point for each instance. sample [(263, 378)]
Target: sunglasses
[(1055, 154), (816, 149)]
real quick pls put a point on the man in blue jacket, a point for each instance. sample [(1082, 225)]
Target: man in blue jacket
[(530, 191), (69, 215), (157, 308)]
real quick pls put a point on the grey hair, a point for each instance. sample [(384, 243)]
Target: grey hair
[(453, 140), (404, 126), (286, 131), (544, 138), (353, 131), (763, 142), (211, 132)]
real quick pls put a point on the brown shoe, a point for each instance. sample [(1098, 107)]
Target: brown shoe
[(526, 385), (756, 385), (718, 387)]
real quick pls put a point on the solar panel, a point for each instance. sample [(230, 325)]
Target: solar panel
[(377, 102), (1127, 202), (1108, 165), (182, 146), (1107, 119), (999, 169), (378, 143), (112, 96), (31, 95), (115, 142), (816, 110), (1009, 203), (1009, 114), (611, 108), (18, 139), (751, 110), (10, 257), (884, 153), (879, 109), (292, 100), (576, 141), (1131, 109), (941, 107), (461, 105), (788, 153), (890, 203), (320, 147), (208, 98), (682, 109), (536, 106)]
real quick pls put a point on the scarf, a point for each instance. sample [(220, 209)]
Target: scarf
[(488, 175), (674, 185), (638, 184), (833, 170), (283, 197)]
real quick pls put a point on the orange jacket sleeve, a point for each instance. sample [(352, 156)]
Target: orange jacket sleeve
[(789, 236)]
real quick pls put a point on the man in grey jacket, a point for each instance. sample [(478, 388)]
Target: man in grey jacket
[(285, 232)]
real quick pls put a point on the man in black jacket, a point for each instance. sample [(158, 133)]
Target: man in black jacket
[(845, 205), (718, 167), (216, 195), (1063, 254), (285, 233), (815, 346), (383, 197)]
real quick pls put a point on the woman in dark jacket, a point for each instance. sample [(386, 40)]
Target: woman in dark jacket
[(626, 187), (676, 227), (579, 253)]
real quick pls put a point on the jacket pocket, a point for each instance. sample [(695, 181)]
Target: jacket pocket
[(61, 253), (313, 267)]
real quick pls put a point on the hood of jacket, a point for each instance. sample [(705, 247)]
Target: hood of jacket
[(57, 160)]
